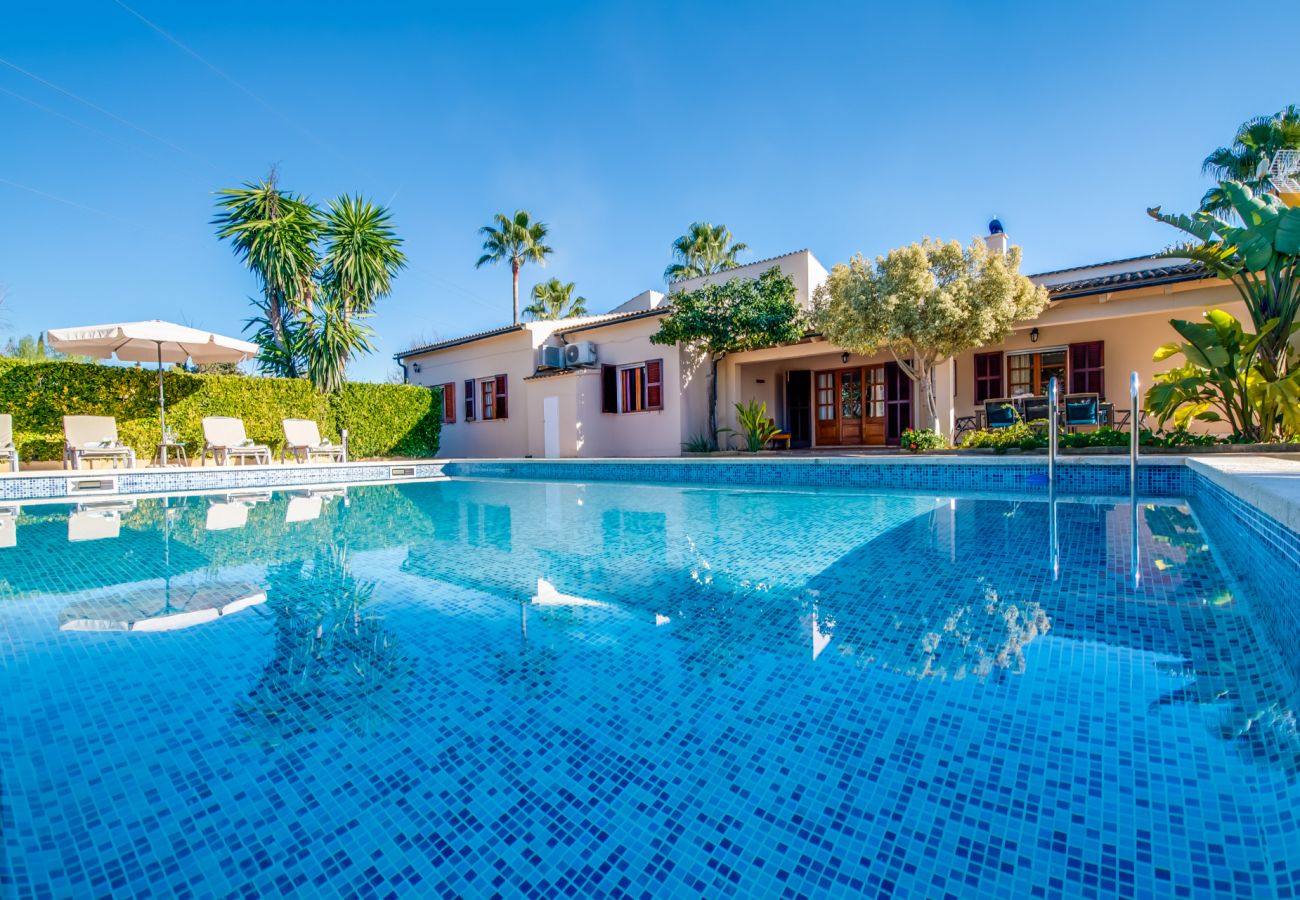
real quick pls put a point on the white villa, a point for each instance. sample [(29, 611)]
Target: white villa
[(596, 386)]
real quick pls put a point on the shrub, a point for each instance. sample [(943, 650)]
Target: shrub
[(1019, 435), (1180, 437), (700, 443), (918, 439), (1102, 437), (382, 419)]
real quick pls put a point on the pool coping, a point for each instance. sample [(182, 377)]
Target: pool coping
[(72, 485)]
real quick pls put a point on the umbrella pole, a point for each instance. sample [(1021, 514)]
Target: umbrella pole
[(162, 411)]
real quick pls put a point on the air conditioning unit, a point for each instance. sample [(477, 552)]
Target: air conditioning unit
[(552, 358), (582, 353)]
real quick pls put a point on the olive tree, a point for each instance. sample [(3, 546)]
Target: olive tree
[(925, 303), (740, 314)]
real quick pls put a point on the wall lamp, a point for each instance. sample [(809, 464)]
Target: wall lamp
[(1033, 335), (415, 367), (844, 357)]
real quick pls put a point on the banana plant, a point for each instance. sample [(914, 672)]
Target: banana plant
[(756, 427), (1258, 256), (1224, 378)]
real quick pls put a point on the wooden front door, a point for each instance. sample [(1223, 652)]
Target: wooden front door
[(850, 406)]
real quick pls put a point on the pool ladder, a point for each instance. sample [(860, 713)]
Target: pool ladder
[(1053, 431)]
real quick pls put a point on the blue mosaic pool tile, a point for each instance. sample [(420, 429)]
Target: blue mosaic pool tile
[(1164, 479), (508, 688), (154, 481)]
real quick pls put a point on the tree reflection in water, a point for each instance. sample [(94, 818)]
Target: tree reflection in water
[(334, 664), (973, 639)]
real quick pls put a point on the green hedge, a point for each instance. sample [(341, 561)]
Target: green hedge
[(382, 419)]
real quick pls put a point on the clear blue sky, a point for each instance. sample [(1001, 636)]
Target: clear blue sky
[(841, 128)]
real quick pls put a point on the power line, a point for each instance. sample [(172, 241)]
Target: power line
[(73, 203), (232, 81), (80, 124), (99, 109)]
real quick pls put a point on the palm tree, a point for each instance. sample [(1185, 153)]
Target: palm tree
[(517, 239), (1248, 159), (703, 250), (554, 300), (274, 234)]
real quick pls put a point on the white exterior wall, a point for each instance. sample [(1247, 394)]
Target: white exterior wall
[(650, 433), (510, 354), (801, 266)]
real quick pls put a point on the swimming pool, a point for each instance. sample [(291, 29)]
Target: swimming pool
[(492, 686)]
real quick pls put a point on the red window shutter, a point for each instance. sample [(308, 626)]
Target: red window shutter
[(1088, 368), (501, 397), (449, 403), (469, 399), (654, 384), (608, 389), (988, 376)]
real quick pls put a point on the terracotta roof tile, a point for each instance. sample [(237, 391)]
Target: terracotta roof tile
[(1121, 281)]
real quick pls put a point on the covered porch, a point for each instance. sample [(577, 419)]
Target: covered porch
[(822, 396)]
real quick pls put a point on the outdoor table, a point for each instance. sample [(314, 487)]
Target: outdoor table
[(160, 455)]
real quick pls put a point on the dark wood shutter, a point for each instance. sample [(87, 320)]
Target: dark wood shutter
[(608, 389), (1088, 368), (502, 410), (988, 376), (654, 384), (469, 399), (449, 403)]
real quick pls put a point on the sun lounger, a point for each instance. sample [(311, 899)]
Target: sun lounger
[(224, 438), (302, 439), (7, 449), (94, 524), (94, 437)]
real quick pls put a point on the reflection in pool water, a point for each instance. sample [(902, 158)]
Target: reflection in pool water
[(468, 688)]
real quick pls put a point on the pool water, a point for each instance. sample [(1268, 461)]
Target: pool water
[(478, 688)]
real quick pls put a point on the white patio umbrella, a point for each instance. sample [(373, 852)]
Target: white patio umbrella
[(154, 340)]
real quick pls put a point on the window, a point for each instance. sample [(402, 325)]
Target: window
[(469, 399), (637, 387), (1087, 368), (492, 397), (988, 376), (826, 396), (448, 402), (631, 382), (874, 394), (1028, 373)]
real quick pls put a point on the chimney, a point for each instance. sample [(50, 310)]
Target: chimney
[(997, 239)]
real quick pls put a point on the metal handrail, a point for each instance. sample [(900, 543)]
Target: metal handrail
[(1134, 427), (1053, 427)]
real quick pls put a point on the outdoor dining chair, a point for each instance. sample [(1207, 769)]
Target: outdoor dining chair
[(1036, 409), (1082, 410), (1000, 414)]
